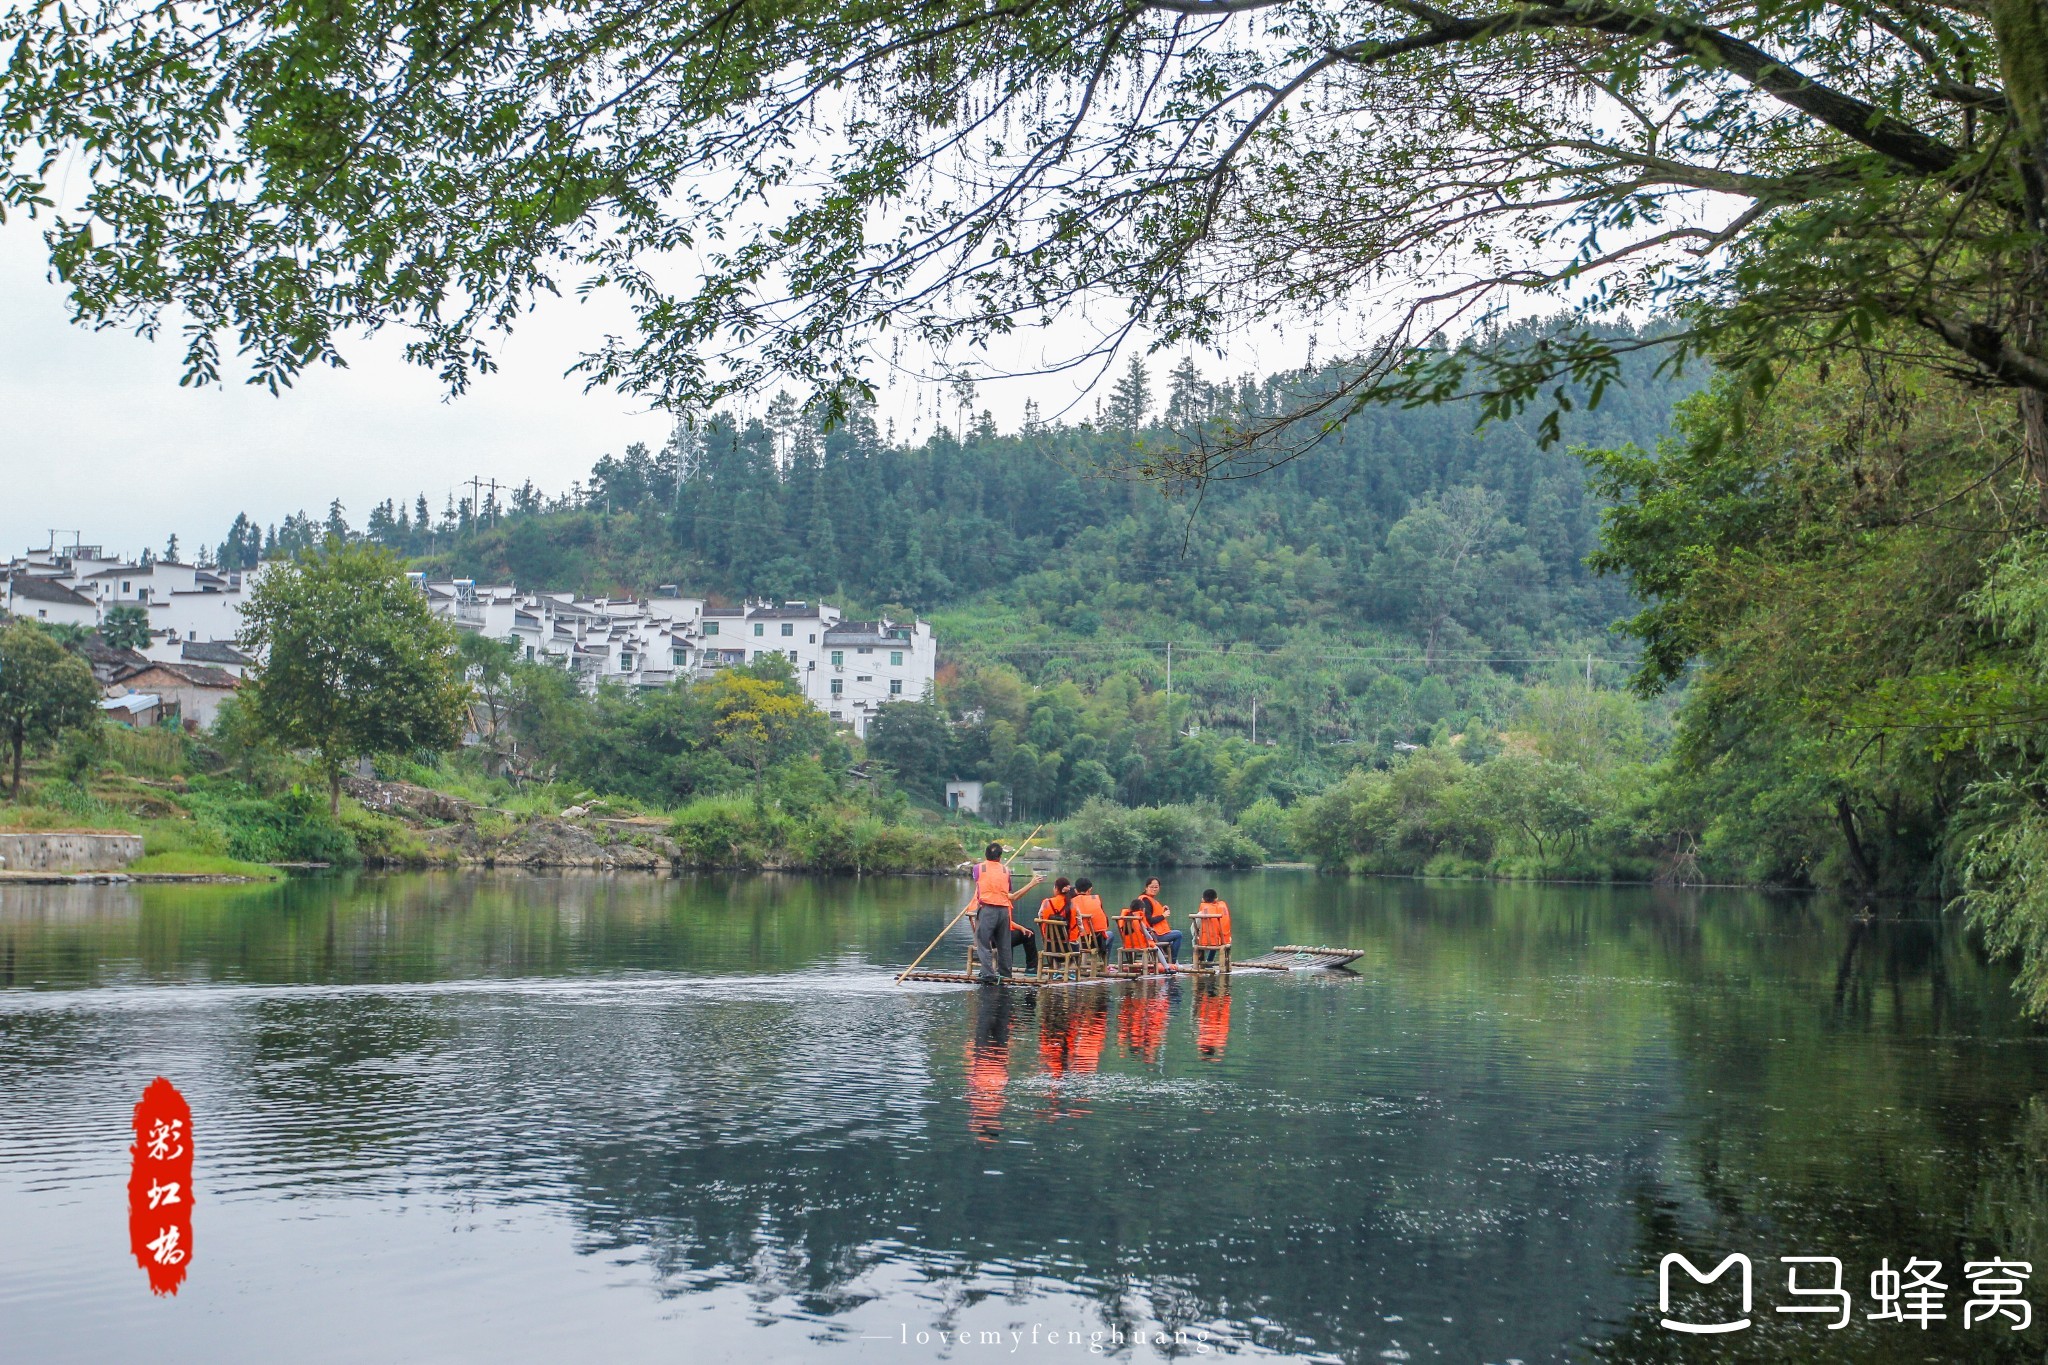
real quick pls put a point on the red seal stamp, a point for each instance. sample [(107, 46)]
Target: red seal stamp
[(160, 1186)]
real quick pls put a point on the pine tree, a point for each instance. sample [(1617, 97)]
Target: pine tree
[(1131, 400), (1187, 400)]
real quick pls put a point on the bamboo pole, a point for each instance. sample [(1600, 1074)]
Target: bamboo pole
[(968, 908)]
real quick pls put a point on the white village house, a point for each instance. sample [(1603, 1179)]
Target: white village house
[(847, 669)]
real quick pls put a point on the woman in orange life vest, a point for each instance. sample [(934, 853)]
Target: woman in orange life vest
[(1086, 916), (995, 925), (1155, 912), (1059, 905)]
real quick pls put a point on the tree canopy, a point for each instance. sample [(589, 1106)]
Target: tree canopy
[(354, 660), (777, 188), (45, 689)]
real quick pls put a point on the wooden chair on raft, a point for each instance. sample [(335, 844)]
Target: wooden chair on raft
[(1212, 942), (1135, 947), (1057, 957)]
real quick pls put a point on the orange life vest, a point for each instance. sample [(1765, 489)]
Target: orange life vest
[(1212, 925), (1155, 914), (992, 885), (1089, 916), (1130, 927), (1058, 906)]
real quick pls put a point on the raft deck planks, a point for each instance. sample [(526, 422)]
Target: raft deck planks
[(1293, 957), (1050, 983)]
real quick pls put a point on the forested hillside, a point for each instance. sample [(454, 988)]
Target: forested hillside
[(1407, 578)]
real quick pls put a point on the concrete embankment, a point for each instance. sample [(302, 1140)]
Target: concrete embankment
[(67, 850)]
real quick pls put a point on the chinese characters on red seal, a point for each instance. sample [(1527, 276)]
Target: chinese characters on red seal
[(160, 1186)]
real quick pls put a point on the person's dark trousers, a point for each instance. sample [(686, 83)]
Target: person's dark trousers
[(992, 939), (1170, 940), (1028, 941)]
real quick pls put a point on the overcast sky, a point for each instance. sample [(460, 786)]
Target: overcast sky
[(98, 437)]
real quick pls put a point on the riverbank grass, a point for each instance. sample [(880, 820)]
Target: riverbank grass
[(203, 865)]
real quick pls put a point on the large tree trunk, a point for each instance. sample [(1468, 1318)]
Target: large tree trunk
[(1846, 818), (334, 793), (2021, 28)]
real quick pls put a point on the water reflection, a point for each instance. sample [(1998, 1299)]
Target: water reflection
[(1476, 1149)]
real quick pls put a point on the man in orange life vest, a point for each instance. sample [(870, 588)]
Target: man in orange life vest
[(1157, 924), (995, 927)]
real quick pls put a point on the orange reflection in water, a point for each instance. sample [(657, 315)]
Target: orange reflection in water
[(1141, 1020), (1212, 1017), (988, 1065)]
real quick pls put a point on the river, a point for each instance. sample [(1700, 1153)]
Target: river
[(513, 1118)]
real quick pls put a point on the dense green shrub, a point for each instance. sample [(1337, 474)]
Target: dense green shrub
[(1156, 836), (292, 828), (1266, 824), (734, 832)]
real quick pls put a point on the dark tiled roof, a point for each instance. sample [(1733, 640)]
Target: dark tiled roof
[(788, 611), (192, 675), (37, 589), (213, 652), (100, 654)]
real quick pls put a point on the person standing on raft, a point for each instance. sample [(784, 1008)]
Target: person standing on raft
[(994, 925), (1157, 924)]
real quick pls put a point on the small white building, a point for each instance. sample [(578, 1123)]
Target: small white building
[(964, 797), (38, 597)]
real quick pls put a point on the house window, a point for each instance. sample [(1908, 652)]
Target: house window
[(839, 658), (863, 677), (791, 653), (788, 629), (711, 627), (125, 587), (895, 687), (864, 649), (838, 686), (625, 663), (814, 637), (895, 658), (679, 658), (760, 629), (529, 654), (837, 716)]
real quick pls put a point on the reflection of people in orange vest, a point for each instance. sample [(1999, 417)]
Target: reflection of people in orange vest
[(1156, 923), (988, 1067), (995, 926), (1212, 922), (1142, 1024), (1212, 1018), (1089, 918), (1071, 1033)]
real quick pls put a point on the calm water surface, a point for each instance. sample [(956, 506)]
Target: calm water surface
[(508, 1118)]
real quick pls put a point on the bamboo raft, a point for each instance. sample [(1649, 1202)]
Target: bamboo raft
[(1289, 957), (1035, 983), (1292, 957)]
